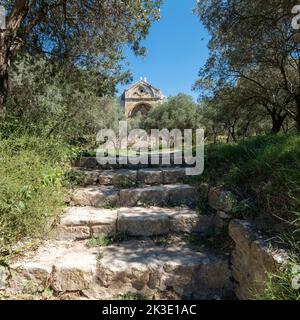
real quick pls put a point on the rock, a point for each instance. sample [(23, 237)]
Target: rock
[(33, 272), (146, 269), (95, 196), (84, 222), (181, 194), (118, 178), (143, 221), (174, 195), (134, 267), (203, 191), (252, 258), (158, 221), (64, 266), (150, 176), (4, 274), (87, 162), (222, 220), (90, 177), (78, 216), (189, 221), (145, 196), (72, 233), (221, 200), (75, 271), (173, 175)]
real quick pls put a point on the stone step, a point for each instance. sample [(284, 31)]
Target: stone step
[(136, 267), (92, 163), (96, 196), (125, 178), (163, 195), (86, 222)]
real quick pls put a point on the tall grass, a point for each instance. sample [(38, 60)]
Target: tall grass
[(31, 188), (279, 286), (263, 171)]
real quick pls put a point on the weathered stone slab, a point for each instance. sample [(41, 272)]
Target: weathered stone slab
[(158, 220), (84, 222), (72, 232), (78, 216), (34, 271), (65, 266), (252, 258), (165, 195), (181, 194), (221, 200), (75, 271), (87, 162), (189, 221), (146, 269), (150, 176), (103, 230), (118, 178), (221, 221), (91, 177), (95, 196), (143, 196), (135, 266), (173, 175), (143, 221)]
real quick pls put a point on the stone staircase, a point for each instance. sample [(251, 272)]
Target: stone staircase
[(147, 216)]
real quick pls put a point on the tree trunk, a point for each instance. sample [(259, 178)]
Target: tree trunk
[(3, 73), (277, 122), (278, 116), (10, 43)]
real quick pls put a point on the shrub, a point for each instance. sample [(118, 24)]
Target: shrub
[(279, 286), (31, 191), (265, 170), (53, 100), (179, 112)]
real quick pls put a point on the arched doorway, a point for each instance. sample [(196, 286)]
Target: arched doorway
[(141, 109)]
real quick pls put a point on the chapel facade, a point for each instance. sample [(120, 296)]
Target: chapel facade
[(140, 98)]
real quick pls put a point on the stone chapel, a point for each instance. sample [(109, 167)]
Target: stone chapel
[(140, 98)]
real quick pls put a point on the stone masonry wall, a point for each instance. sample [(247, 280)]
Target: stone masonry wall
[(252, 258)]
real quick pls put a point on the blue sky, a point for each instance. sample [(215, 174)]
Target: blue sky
[(177, 48)]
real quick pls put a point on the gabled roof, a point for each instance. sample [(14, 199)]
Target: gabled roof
[(141, 82)]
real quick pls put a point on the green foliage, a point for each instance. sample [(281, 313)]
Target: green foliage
[(192, 239), (120, 237), (245, 207), (102, 241), (126, 182), (88, 32), (252, 51), (131, 296), (265, 170), (179, 112), (161, 241), (73, 178), (279, 286), (51, 100), (31, 191)]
